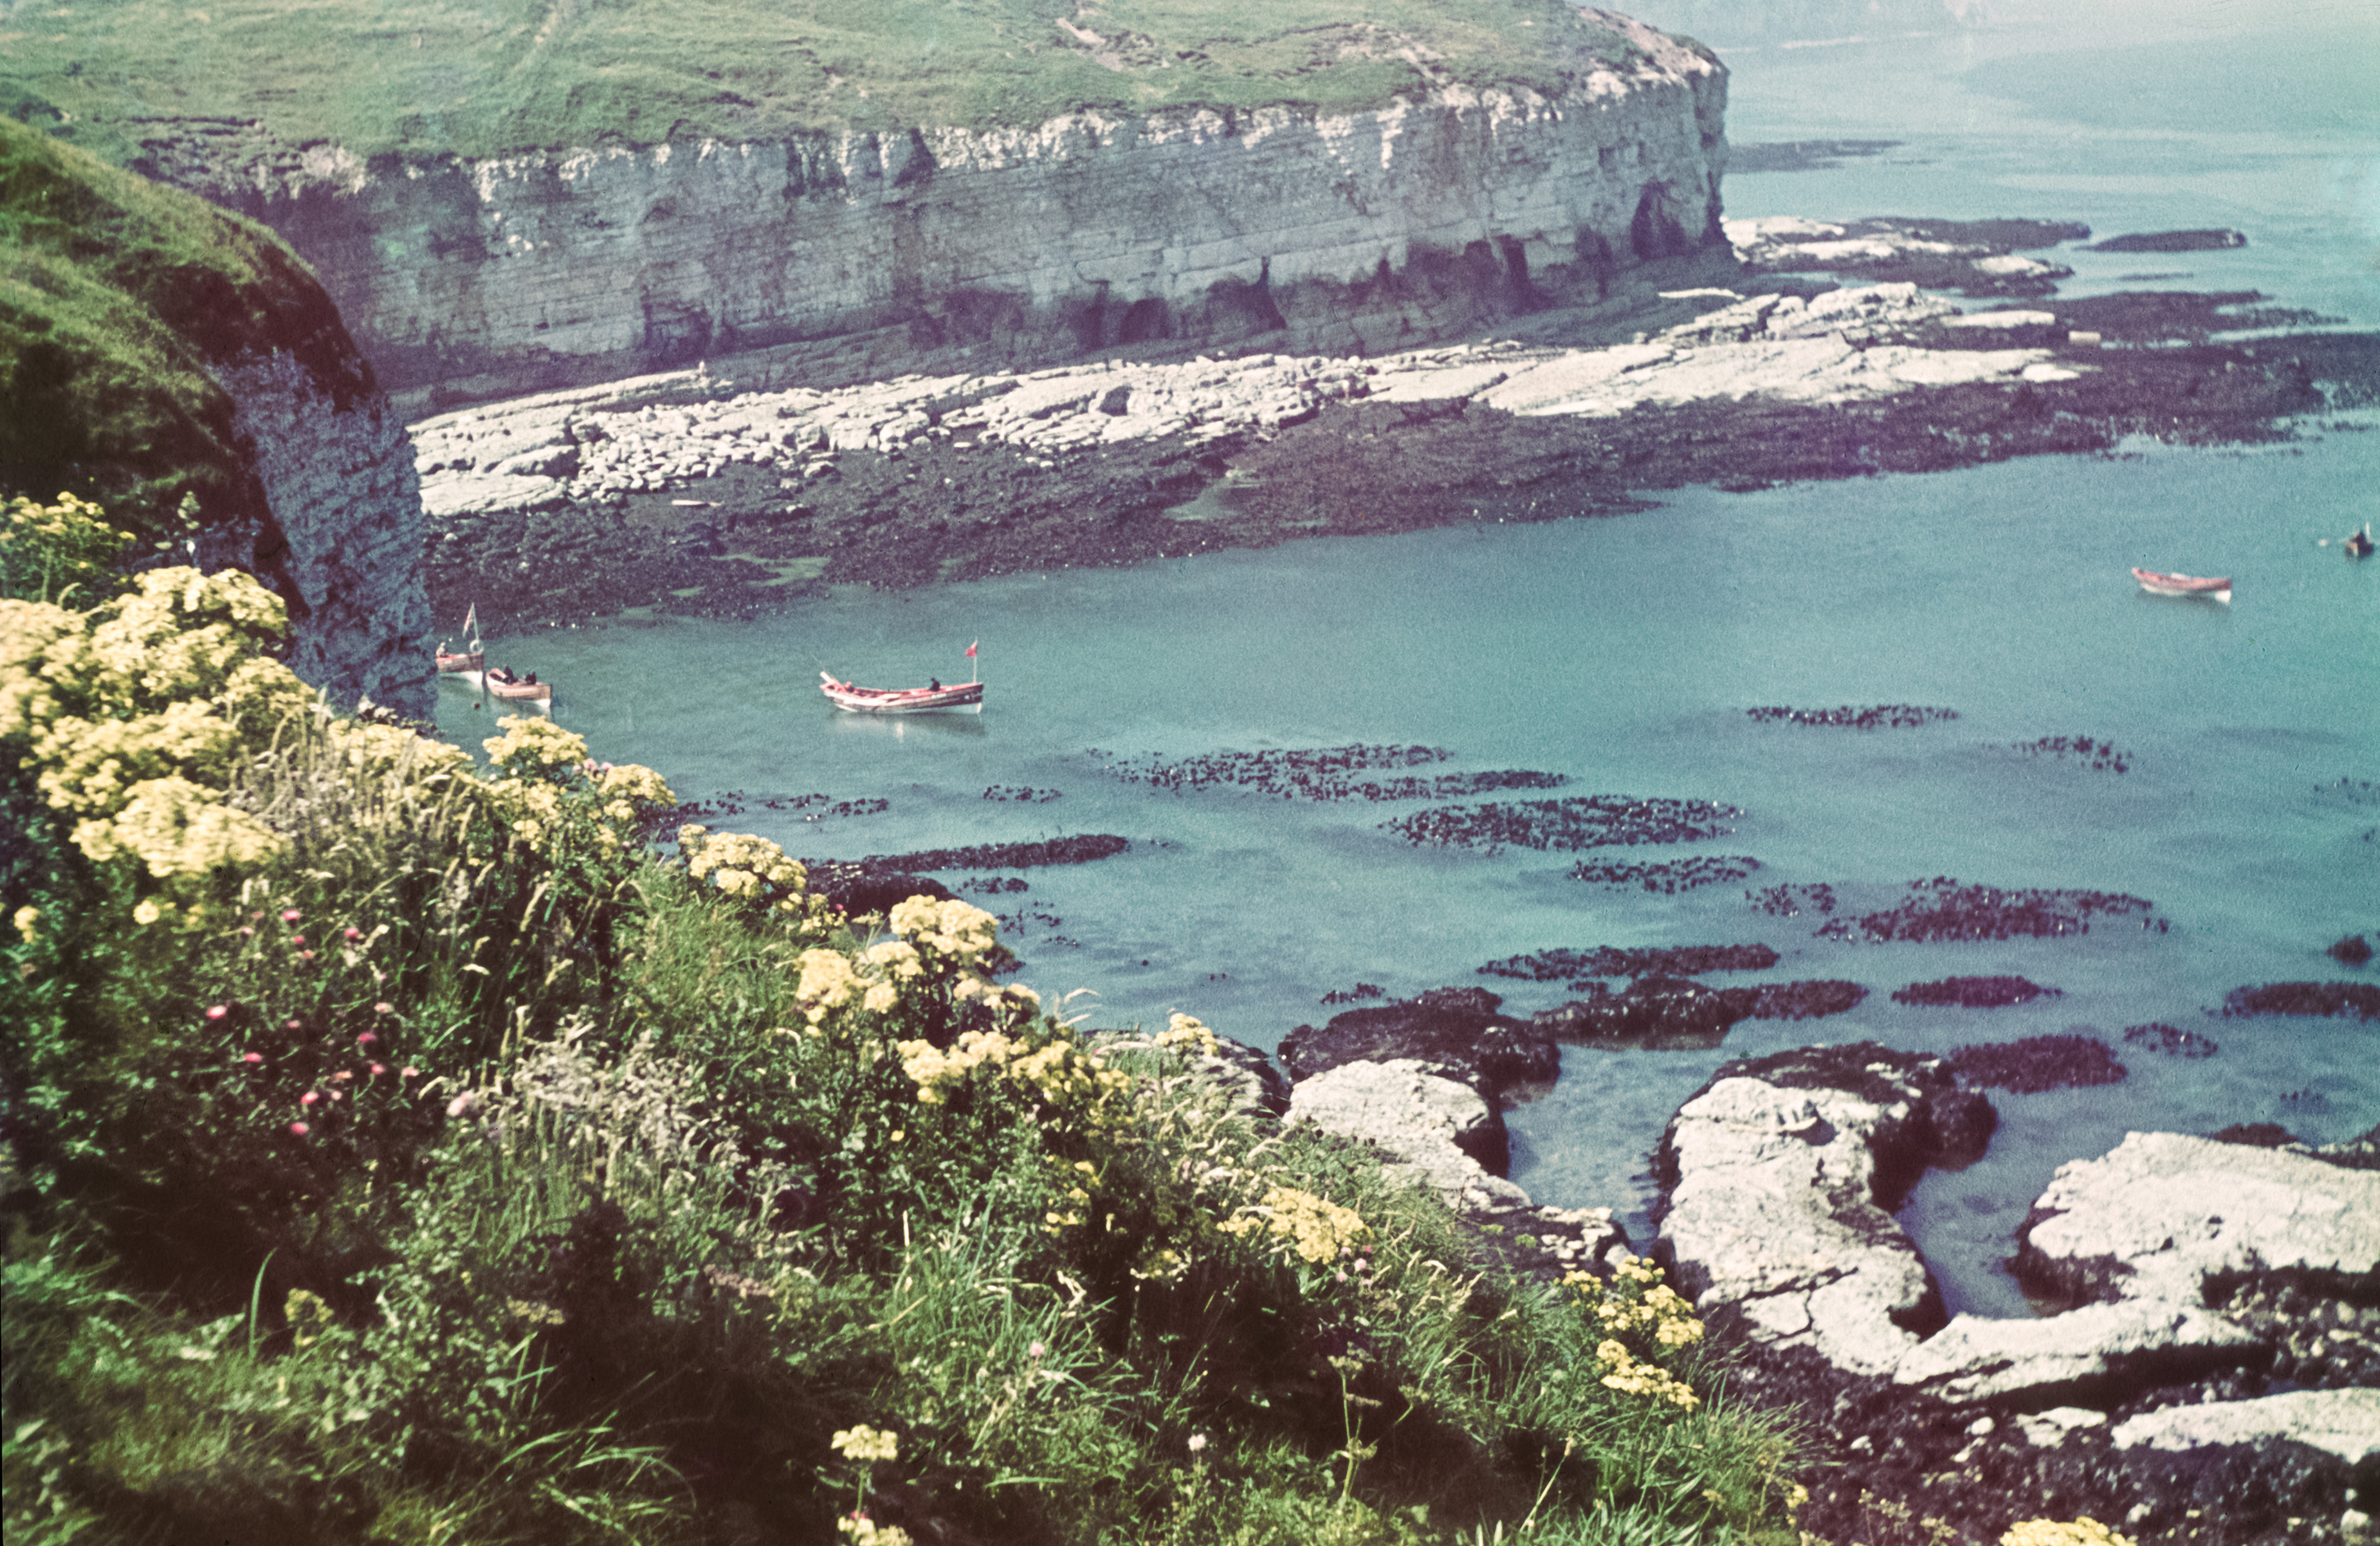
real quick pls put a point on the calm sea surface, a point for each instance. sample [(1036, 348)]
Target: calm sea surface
[(1622, 653)]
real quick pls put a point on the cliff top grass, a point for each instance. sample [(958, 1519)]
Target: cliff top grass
[(436, 77), (114, 296)]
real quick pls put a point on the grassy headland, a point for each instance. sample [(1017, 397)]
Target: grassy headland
[(115, 295), (402, 1153), (484, 80)]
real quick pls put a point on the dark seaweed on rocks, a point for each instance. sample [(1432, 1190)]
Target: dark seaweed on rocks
[(995, 885), (1356, 995), (2171, 241), (1974, 993), (1883, 716), (2037, 1063), (2359, 999), (2353, 950), (1455, 1030), (1565, 825), (1790, 901), (1326, 773), (1667, 880), (1673, 1013), (2171, 1040), (2176, 316), (1679, 960), (2255, 1135), (2101, 756), (1941, 909), (1021, 794), (1078, 849)]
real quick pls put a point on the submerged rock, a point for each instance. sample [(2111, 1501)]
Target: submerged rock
[(1454, 1032), (2353, 950), (2359, 999), (2038, 1063), (2171, 241), (1974, 993)]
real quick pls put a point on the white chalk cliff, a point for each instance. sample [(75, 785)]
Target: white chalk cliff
[(863, 255)]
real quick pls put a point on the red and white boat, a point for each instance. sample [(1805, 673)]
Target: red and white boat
[(475, 661), (965, 697), (2157, 584), (520, 692)]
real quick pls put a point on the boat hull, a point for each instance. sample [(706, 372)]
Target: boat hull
[(2157, 584), (511, 692), (965, 697), (454, 664)]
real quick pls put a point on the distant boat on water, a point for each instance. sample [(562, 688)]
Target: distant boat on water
[(2159, 583), (965, 697)]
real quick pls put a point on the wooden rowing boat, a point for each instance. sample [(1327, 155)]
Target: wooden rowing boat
[(475, 661), (518, 692), (2158, 584), (965, 697)]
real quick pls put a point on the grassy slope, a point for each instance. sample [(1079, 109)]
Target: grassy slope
[(435, 76), (113, 295)]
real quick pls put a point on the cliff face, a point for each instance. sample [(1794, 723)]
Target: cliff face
[(862, 255), (162, 357)]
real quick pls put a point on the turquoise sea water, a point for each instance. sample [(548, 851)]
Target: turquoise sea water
[(1621, 653)]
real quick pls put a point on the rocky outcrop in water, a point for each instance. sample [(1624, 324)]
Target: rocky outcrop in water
[(1454, 1032)]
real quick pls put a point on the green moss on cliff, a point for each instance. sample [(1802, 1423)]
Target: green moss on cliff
[(115, 295), (481, 79)]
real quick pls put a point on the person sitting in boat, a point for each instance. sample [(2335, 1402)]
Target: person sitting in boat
[(502, 674), (933, 684), (529, 680)]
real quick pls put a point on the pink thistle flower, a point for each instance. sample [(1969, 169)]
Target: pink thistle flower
[(304, 955), (378, 1070), (293, 1025), (216, 1011), (288, 917), (300, 1128), (1034, 1351), (341, 1078), (311, 1097), (408, 1073), (253, 1057), (383, 1008), (463, 1104), (355, 934), (247, 933), (297, 939), (368, 1038)]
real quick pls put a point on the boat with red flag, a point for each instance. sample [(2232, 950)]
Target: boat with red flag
[(2159, 583), (962, 698)]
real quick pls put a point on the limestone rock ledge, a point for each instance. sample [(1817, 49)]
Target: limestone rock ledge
[(1369, 230)]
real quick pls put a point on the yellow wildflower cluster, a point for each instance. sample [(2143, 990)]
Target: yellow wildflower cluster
[(136, 716), (1182, 1033), (1061, 1070), (965, 934), (864, 1531), (1638, 1301), (2049, 1532), (1315, 1228), (1623, 1372), (862, 1442), (550, 793), (742, 866), (49, 549)]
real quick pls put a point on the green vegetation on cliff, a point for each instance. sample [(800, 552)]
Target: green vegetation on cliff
[(482, 80), (115, 296), (400, 1152)]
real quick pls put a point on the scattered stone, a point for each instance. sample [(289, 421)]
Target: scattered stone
[(1894, 716), (2359, 999), (2038, 1063), (1682, 961), (1451, 1032), (2094, 1352), (996, 885), (1670, 878), (1355, 995), (2171, 241), (1565, 825), (2099, 755), (2353, 950), (2047, 1430), (1020, 794), (2171, 1040), (1974, 993)]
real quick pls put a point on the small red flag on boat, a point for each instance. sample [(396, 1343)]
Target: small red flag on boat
[(971, 651)]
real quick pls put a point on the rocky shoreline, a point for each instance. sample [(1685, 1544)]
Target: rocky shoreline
[(717, 492), (2203, 1369)]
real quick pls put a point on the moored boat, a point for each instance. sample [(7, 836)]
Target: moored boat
[(965, 697), (518, 692), (2159, 583), (475, 660)]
